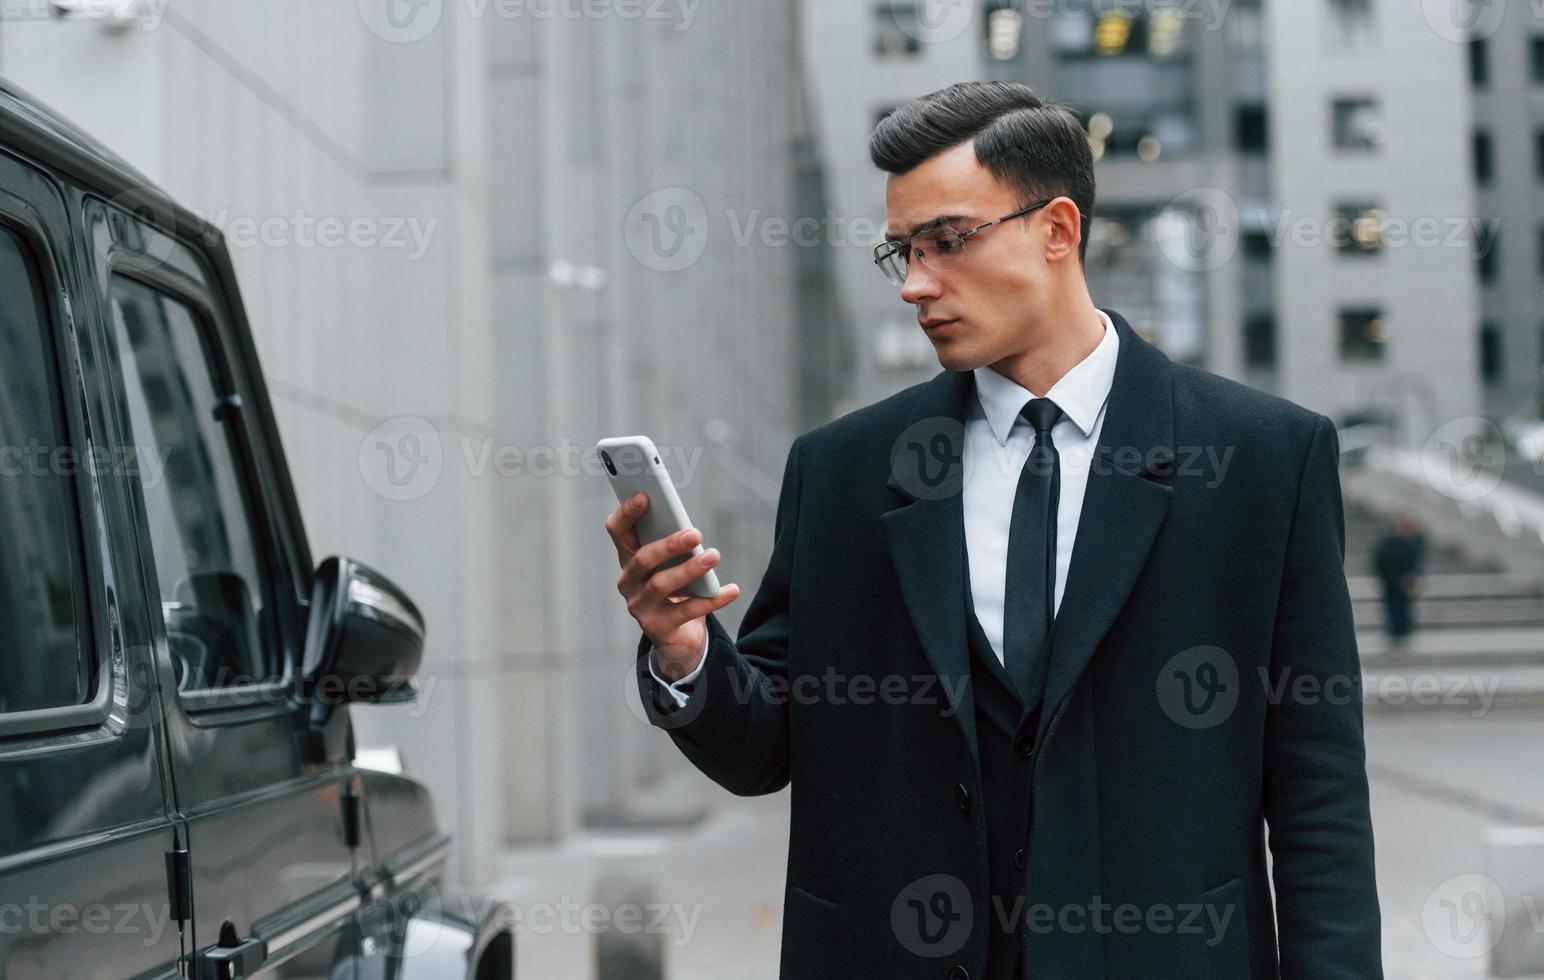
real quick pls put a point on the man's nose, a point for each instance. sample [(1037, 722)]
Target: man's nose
[(920, 284)]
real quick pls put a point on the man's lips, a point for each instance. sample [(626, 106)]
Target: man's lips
[(935, 323)]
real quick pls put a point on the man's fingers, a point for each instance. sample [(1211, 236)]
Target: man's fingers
[(641, 564), (622, 524), (669, 581), (698, 606)]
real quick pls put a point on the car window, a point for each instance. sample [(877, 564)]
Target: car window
[(45, 656), (219, 619)]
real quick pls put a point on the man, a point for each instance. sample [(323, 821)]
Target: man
[(974, 792)]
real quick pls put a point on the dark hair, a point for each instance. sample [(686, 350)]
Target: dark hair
[(1036, 147)]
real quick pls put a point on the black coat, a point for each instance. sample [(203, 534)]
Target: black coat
[(1204, 682)]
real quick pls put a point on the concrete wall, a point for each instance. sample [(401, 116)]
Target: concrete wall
[(437, 377)]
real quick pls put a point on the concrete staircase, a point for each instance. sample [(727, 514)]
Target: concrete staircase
[(1479, 639)]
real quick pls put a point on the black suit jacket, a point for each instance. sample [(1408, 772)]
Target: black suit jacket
[(1204, 686)]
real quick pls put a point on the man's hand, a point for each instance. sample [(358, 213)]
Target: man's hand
[(678, 627)]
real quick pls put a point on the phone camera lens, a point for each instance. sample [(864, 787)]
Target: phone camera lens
[(610, 466)]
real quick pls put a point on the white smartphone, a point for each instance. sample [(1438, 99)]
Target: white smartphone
[(632, 464)]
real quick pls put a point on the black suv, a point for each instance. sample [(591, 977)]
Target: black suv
[(178, 796)]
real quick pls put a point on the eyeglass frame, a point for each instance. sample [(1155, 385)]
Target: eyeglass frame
[(896, 244)]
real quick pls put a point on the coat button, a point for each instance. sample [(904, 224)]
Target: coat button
[(962, 796), (959, 973), (1024, 745), (1018, 859)]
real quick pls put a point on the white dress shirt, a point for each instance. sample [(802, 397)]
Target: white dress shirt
[(997, 444)]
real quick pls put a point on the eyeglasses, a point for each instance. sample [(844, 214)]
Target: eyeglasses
[(933, 245)]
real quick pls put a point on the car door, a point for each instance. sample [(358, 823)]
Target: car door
[(85, 808), (271, 858)]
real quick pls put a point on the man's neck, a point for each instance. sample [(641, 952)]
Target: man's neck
[(1064, 339)]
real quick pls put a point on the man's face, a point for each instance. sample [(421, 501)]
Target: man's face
[(977, 308)]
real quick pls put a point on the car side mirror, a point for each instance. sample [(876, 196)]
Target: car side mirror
[(364, 642)]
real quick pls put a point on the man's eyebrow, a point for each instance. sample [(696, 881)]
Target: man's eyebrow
[(942, 219)]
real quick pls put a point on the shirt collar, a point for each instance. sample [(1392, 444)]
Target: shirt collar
[(1080, 393)]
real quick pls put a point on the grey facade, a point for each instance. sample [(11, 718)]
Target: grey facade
[(1506, 77), (1224, 190)]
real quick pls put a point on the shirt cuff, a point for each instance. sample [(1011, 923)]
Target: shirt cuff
[(679, 695)]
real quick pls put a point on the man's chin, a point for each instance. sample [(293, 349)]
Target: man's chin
[(953, 358)]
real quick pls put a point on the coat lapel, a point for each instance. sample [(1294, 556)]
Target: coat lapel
[(1123, 507), (926, 535)]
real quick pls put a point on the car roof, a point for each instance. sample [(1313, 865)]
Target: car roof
[(43, 135)]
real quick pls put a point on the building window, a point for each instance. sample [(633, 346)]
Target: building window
[(1488, 261), (1484, 158), (1257, 246), (897, 30), (1490, 353), (1358, 229), (1358, 123), (1536, 58), (1352, 17), (1479, 62), (1246, 26), (1363, 334), (1260, 341), (1250, 130)]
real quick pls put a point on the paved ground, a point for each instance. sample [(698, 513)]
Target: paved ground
[(1439, 781)]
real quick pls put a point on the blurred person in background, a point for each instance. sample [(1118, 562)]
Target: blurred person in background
[(1398, 561)]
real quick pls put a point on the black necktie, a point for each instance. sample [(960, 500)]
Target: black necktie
[(1029, 594)]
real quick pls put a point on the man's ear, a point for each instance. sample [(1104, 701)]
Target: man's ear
[(1064, 229)]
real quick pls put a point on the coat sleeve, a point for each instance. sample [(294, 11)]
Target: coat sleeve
[(1315, 791), (734, 726)]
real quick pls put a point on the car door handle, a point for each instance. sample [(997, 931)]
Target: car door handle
[(232, 962)]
